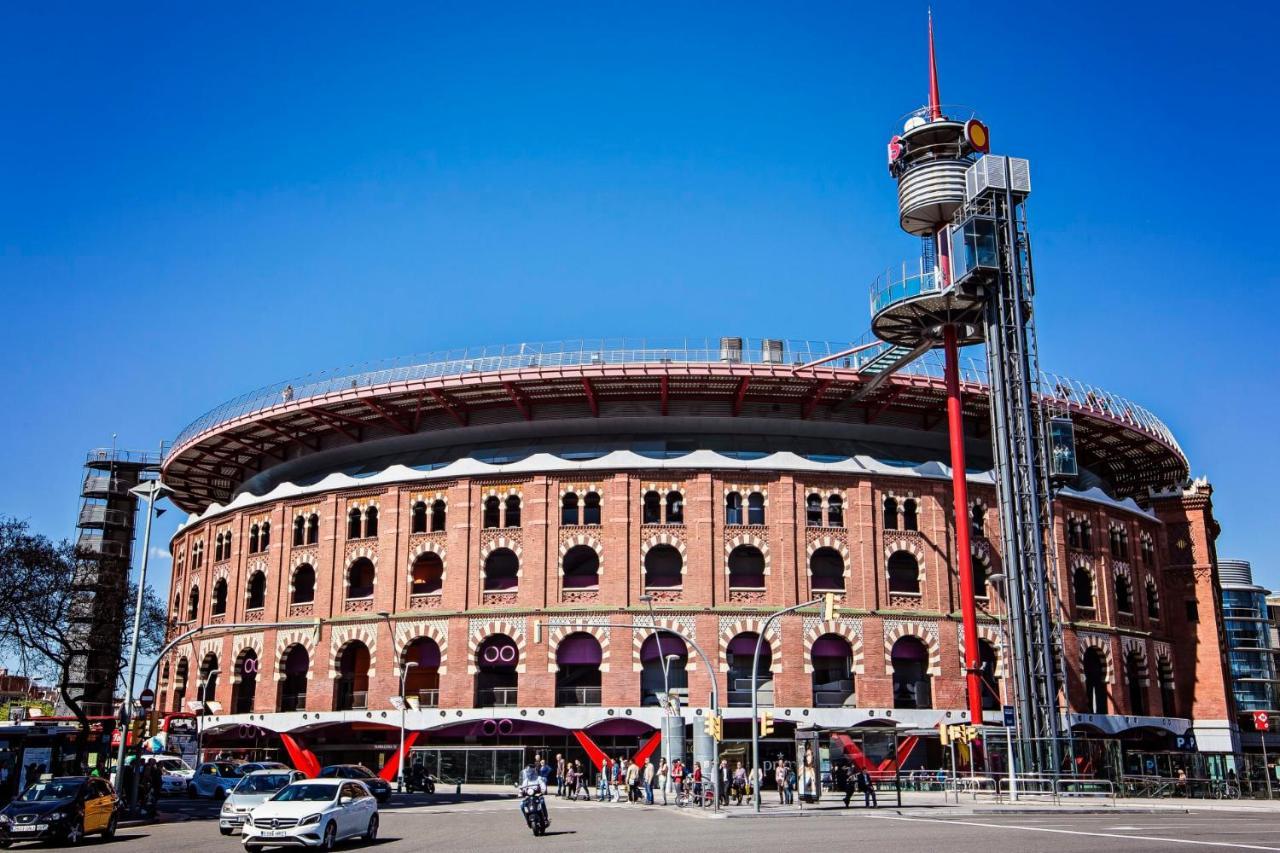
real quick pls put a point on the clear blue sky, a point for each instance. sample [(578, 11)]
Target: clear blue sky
[(195, 201)]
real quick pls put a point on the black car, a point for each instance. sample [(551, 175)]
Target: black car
[(377, 786), (64, 809)]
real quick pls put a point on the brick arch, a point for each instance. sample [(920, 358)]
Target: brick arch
[(241, 644), (665, 539), (497, 492), (407, 632), (927, 634), (221, 573), (991, 634), (484, 630), (368, 552), (578, 626), (829, 542), (428, 548), (1130, 645), (841, 628), (345, 635), (497, 542), (581, 539), (1102, 643), (286, 640), (911, 546), (1121, 569), (749, 625), (747, 539), (684, 626)]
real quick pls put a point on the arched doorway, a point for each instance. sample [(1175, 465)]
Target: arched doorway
[(826, 570), (360, 578), (653, 681), (422, 681), (293, 689), (180, 674), (500, 570), (832, 659), (1095, 682), (746, 568), (581, 568), (427, 574), (578, 671), (987, 676), (739, 655), (207, 689), (912, 684), (1135, 676), (663, 568), (496, 677), (904, 573), (245, 684), (351, 691)]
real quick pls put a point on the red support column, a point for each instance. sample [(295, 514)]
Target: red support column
[(960, 493)]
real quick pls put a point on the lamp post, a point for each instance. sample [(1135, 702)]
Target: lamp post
[(998, 580), (404, 702), (204, 700), (150, 491), (666, 681)]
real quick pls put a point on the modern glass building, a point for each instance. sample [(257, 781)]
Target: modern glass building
[(1251, 646)]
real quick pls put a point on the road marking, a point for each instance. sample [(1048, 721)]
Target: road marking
[(1231, 844)]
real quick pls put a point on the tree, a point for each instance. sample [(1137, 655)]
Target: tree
[(45, 603)]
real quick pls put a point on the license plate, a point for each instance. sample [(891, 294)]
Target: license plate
[(275, 833), (39, 827)]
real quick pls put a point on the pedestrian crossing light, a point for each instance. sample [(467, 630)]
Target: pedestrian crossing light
[(713, 725), (829, 607), (766, 723)]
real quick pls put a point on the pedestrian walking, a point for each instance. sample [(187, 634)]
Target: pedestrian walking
[(739, 783), (649, 773), (845, 777), (868, 788), (664, 774), (602, 792), (725, 779), (560, 780), (780, 779)]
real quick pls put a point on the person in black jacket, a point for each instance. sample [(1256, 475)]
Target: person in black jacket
[(868, 788), (844, 782)]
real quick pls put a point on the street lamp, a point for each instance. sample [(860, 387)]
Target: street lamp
[(998, 580), (203, 695), (666, 683), (404, 702)]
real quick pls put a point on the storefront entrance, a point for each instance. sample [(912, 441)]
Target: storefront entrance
[(478, 765)]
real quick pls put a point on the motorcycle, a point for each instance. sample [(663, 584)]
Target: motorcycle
[(418, 779), (534, 808)]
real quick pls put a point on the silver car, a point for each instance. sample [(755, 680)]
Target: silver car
[(253, 789)]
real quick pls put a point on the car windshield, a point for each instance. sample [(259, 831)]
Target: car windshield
[(229, 769), (171, 765), (263, 784), (54, 790), (358, 772), (305, 792)]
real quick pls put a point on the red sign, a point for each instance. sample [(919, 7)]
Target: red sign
[(1261, 720)]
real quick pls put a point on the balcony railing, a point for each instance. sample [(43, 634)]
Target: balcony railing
[(94, 515), (293, 702), (834, 694), (496, 697), (569, 697), (428, 698), (740, 693), (96, 546)]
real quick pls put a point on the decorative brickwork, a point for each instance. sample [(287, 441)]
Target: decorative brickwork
[(926, 632), (849, 629)]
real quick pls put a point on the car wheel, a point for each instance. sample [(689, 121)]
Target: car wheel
[(110, 832), (330, 839), (75, 832), (371, 834), (225, 830)]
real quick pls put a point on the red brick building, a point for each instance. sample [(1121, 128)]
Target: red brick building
[(505, 520)]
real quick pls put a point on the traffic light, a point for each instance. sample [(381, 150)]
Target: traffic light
[(766, 723), (829, 607), (713, 725), (944, 734)]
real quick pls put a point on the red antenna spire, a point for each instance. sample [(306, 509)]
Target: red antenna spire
[(935, 102)]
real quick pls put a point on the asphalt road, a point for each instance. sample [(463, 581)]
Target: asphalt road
[(496, 825)]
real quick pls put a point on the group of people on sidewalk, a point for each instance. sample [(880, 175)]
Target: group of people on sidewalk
[(625, 780)]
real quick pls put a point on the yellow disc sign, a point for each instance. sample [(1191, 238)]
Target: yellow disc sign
[(977, 135)]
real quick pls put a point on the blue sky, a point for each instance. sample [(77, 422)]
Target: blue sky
[(194, 202)]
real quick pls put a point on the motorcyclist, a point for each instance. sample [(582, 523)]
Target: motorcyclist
[(531, 782)]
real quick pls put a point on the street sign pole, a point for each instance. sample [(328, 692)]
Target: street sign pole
[(1262, 722), (1010, 718)]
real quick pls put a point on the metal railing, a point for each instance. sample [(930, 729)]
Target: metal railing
[(496, 697), (1056, 788), (293, 702), (567, 697), (94, 515), (834, 698), (132, 457), (895, 285), (620, 351), (97, 546), (428, 698), (105, 485)]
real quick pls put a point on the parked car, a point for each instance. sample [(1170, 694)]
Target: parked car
[(380, 788), (215, 778), (253, 789), (313, 813), (253, 766), (175, 774), (64, 810)]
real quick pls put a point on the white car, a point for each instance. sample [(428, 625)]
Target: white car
[(176, 774), (313, 813), (253, 789)]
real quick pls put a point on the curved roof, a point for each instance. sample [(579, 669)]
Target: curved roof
[(454, 390)]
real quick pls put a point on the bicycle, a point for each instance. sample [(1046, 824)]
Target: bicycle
[(705, 799)]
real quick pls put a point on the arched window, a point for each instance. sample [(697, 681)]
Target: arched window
[(569, 509), (193, 604), (217, 548), (733, 508), (1086, 535), (904, 572), (1082, 584), (890, 514), (428, 574), (1153, 599), (218, 603), (422, 681), (303, 585), (910, 520), (912, 684), (245, 682), (581, 567), (352, 693), (299, 531), (663, 567), (978, 519), (835, 511), (591, 509), (492, 512), (512, 518), (826, 570), (180, 685), (981, 570), (746, 568), (353, 523), (1168, 697), (360, 577), (987, 676), (755, 508), (253, 539), (675, 508), (497, 679), (652, 508), (264, 541), (313, 529), (578, 659), (226, 546), (500, 570), (1124, 544), (293, 689), (418, 520), (1134, 675), (371, 522), (437, 515), (207, 689), (1124, 595), (177, 606), (664, 659), (256, 592), (832, 682), (1095, 681), (1148, 551), (813, 511), (1073, 533)]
